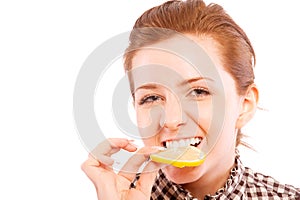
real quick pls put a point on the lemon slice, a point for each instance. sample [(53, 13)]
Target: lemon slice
[(180, 157)]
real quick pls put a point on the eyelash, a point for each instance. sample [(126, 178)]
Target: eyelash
[(200, 92), (149, 99)]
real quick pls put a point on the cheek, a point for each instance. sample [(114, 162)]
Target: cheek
[(150, 142), (216, 121), (232, 111), (143, 118), (148, 121), (228, 130), (200, 113)]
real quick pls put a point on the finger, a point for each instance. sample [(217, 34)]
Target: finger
[(111, 146), (91, 161), (123, 143), (132, 166), (136, 162), (104, 160), (147, 177), (91, 167)]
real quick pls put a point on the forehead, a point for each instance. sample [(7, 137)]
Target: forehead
[(176, 59), (151, 58)]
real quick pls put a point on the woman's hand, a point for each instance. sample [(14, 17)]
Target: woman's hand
[(109, 185)]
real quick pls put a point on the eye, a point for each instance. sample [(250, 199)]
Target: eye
[(150, 99), (199, 93)]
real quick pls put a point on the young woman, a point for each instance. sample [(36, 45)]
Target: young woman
[(190, 68)]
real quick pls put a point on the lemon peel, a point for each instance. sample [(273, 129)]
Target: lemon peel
[(179, 157)]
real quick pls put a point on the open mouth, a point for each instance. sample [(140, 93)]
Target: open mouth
[(182, 142)]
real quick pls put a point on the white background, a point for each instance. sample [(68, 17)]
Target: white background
[(42, 47)]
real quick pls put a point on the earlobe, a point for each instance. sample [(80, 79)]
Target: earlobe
[(248, 106)]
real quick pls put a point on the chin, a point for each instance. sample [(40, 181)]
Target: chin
[(182, 175)]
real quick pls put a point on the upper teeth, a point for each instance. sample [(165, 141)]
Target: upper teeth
[(182, 142)]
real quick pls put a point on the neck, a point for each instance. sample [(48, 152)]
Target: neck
[(212, 181)]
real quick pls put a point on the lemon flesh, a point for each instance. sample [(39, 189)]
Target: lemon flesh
[(180, 157)]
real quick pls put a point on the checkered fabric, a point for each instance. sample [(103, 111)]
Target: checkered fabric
[(243, 183)]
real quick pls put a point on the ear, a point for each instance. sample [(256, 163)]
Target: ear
[(248, 106)]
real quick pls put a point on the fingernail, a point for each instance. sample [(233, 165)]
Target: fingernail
[(133, 144)]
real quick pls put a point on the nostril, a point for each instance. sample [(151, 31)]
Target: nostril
[(173, 125), (173, 117)]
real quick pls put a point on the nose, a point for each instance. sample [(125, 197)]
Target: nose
[(173, 113)]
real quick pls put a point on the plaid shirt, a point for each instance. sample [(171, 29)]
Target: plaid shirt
[(243, 183)]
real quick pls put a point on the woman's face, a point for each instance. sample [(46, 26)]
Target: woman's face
[(176, 104)]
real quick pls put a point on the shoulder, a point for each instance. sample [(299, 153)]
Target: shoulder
[(260, 185)]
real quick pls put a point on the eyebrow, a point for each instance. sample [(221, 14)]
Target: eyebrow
[(194, 80), (152, 86), (146, 87)]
